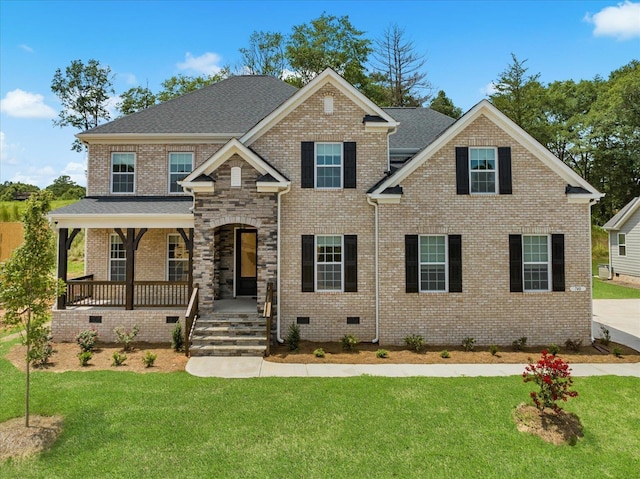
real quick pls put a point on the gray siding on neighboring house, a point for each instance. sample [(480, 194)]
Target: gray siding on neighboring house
[(629, 264)]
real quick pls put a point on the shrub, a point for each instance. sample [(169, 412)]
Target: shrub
[(415, 342), (573, 345), (118, 358), (444, 354), (553, 376), (177, 338), (467, 344), (85, 357), (617, 352), (149, 358), (554, 349), (493, 349), (126, 336), (606, 336), (87, 339), (382, 354), (519, 344), (41, 347), (349, 342), (293, 337), (319, 353)]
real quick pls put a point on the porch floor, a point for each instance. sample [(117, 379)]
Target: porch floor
[(235, 305)]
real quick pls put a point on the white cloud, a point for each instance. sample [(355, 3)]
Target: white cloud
[(22, 104), (488, 89), (41, 176), (129, 78), (621, 22), (77, 172), (26, 48), (7, 151), (206, 63)]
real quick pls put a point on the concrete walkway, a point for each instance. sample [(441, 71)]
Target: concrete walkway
[(621, 317), (249, 367)]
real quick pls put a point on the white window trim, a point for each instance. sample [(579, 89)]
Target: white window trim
[(236, 177), (111, 173), (548, 263), (315, 166), (169, 235), (623, 244), (115, 235), (495, 171), (315, 263), (446, 267), (169, 170)]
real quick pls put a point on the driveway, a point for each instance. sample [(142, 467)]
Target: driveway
[(621, 317)]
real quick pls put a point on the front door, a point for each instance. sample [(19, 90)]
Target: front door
[(246, 262)]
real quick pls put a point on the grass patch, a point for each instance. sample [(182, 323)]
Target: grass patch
[(13, 210), (608, 290), (159, 425)]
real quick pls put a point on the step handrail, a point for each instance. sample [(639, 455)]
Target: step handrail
[(190, 319), (268, 313)]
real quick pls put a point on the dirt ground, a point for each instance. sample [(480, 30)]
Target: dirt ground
[(366, 354), (18, 441), (556, 428)]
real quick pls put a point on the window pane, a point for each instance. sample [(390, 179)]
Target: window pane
[(535, 249), (180, 165), (433, 257), (482, 166), (329, 262), (536, 277), (432, 278), (328, 165), (117, 259), (122, 172), (432, 249)]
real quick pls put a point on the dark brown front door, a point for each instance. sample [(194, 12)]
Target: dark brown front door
[(246, 263)]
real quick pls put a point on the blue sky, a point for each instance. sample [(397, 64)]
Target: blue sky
[(466, 43)]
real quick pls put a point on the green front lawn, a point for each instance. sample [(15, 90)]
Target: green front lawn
[(608, 290), (120, 424)]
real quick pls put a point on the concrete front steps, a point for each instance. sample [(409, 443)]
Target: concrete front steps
[(229, 334)]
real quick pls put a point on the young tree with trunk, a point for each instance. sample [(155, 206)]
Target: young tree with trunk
[(27, 283), (400, 69), (83, 90)]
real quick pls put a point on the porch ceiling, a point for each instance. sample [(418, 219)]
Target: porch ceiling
[(120, 212)]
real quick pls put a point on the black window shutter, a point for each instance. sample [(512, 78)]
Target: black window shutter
[(308, 164), (557, 262), (349, 180), (515, 264), (504, 170), (350, 263), (455, 264), (462, 170), (411, 263), (308, 263)]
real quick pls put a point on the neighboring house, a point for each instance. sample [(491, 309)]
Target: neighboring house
[(376, 222), (624, 242)]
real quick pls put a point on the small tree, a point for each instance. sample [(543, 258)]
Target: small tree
[(27, 285), (553, 377)]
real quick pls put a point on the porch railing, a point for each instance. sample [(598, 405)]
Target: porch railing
[(84, 291)]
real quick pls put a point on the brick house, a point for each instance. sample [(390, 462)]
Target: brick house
[(376, 222)]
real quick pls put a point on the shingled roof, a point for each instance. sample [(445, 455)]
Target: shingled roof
[(231, 106), (418, 126)]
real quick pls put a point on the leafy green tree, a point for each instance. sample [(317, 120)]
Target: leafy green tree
[(136, 99), (9, 190), (400, 69), (328, 42), (265, 54), (520, 98), (27, 285), (180, 84), (443, 104), (83, 90), (63, 188)]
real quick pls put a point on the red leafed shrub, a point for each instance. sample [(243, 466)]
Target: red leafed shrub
[(553, 375)]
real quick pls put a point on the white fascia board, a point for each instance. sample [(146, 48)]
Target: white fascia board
[(502, 121), (154, 138), (122, 221), (385, 199), (327, 76), (271, 187), (582, 198), (376, 126), (198, 186)]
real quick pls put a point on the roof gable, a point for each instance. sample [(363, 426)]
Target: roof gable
[(485, 108), (623, 215), (270, 176), (327, 76)]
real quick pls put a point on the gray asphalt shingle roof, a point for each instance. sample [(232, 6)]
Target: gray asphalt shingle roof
[(138, 205), (418, 126), (233, 105)]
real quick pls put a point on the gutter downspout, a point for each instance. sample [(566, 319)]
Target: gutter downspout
[(375, 207), (278, 332)]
